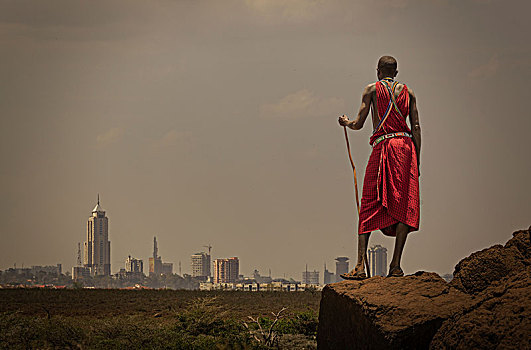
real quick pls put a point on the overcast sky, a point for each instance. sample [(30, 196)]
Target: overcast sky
[(215, 122)]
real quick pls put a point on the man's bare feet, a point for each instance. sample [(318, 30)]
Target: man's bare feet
[(395, 271), (358, 273), (353, 275)]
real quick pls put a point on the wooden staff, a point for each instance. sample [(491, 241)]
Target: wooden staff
[(357, 195)]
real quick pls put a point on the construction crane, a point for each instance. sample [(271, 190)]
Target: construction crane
[(209, 248), (79, 262)]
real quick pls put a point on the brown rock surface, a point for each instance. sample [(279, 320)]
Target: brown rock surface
[(486, 306), (383, 313), (477, 271), (499, 319), (521, 241)]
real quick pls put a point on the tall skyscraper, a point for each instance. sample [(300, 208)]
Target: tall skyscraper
[(226, 270), (97, 248), (341, 267), (378, 260), (328, 276), (200, 265), (155, 262)]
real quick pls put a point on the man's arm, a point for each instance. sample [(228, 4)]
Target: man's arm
[(365, 107), (415, 123)]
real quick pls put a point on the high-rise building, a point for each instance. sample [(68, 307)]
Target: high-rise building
[(155, 262), (341, 267), (226, 270), (97, 248), (200, 265), (134, 265), (328, 276), (310, 277), (378, 260)]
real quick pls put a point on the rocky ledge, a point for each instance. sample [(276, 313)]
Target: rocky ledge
[(486, 306)]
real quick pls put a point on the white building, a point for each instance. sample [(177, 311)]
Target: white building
[(200, 265), (97, 248), (259, 287), (378, 260), (134, 265)]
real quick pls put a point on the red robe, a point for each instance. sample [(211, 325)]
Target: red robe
[(391, 184)]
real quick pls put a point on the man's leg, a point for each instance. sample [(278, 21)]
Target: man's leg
[(359, 271), (363, 243), (401, 234)]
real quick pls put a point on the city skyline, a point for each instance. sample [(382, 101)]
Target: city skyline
[(215, 122), (201, 262), (156, 266), (377, 252)]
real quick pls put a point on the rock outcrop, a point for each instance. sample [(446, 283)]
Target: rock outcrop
[(476, 272), (487, 305), (499, 319)]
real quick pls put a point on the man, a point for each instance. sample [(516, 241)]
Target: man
[(390, 199)]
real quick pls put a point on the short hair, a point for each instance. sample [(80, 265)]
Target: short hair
[(387, 64)]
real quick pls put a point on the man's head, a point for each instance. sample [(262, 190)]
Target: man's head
[(387, 67)]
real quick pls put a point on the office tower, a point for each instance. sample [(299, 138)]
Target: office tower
[(310, 277), (328, 276), (201, 265), (226, 270), (155, 262), (98, 247), (378, 260), (341, 267), (134, 265), (209, 262)]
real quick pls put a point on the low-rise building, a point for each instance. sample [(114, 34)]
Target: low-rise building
[(80, 272)]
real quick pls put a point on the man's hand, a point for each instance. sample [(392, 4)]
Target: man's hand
[(343, 120)]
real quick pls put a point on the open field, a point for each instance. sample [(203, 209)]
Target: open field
[(156, 319)]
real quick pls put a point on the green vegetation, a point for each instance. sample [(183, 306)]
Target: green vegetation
[(155, 319)]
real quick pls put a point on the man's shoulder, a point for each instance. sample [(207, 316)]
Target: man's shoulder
[(369, 89)]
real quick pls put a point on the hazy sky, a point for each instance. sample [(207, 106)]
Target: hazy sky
[(215, 122)]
